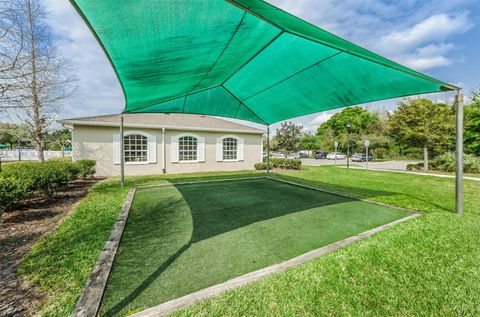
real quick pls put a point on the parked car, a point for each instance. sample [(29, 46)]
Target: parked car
[(320, 155), (340, 156), (358, 157)]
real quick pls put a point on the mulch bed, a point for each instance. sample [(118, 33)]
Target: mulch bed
[(20, 229)]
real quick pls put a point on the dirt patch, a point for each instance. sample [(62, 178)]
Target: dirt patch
[(19, 232)]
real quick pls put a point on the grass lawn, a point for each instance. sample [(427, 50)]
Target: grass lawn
[(61, 263), (183, 238), (428, 266)]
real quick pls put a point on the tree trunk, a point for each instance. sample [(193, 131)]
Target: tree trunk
[(36, 105), (425, 157)]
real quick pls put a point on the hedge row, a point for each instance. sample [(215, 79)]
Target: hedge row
[(446, 162), (282, 163), (19, 181)]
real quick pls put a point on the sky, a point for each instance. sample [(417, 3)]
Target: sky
[(440, 38)]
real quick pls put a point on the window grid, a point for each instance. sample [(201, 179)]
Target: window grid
[(135, 148), (229, 149), (187, 147)]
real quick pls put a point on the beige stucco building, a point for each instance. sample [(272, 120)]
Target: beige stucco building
[(165, 143)]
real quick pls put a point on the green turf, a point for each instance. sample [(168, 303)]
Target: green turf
[(183, 238)]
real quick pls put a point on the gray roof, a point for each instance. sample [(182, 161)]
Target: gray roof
[(176, 121)]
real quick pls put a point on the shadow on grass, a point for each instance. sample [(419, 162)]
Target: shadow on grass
[(220, 207), (357, 191)]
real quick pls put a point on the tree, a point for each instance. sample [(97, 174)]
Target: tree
[(422, 123), (59, 139), (45, 80), (13, 134), (11, 59), (310, 142), (360, 120), (288, 137), (472, 125)]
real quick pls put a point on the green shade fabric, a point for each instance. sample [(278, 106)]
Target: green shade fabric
[(243, 59)]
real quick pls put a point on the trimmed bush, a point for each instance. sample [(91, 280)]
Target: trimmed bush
[(86, 168), (61, 159), (20, 181), (415, 167), (280, 163), (261, 166), (12, 190)]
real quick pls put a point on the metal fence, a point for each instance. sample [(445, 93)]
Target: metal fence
[(30, 155)]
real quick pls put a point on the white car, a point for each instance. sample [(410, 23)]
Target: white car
[(340, 156)]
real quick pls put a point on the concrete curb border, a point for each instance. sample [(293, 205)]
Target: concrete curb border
[(89, 303), (213, 291)]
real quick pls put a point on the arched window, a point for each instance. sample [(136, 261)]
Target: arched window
[(230, 146), (135, 148), (187, 149)]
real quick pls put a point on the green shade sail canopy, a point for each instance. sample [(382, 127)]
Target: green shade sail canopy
[(243, 59)]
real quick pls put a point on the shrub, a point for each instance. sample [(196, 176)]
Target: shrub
[(280, 163), (12, 190), (285, 163), (19, 181), (261, 166), (61, 159), (471, 164), (415, 167), (446, 162), (86, 168)]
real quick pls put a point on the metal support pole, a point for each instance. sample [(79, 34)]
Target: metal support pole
[(122, 154), (348, 149), (268, 149), (366, 157), (164, 159), (459, 153)]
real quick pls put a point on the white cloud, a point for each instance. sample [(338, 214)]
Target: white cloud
[(435, 28)]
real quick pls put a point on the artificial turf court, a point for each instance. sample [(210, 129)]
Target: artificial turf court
[(183, 238)]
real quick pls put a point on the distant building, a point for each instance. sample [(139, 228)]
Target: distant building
[(157, 143)]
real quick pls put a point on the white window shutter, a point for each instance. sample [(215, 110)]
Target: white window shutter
[(152, 148), (219, 149), (174, 149), (201, 149), (116, 149), (240, 149)]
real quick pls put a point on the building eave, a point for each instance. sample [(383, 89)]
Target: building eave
[(72, 123)]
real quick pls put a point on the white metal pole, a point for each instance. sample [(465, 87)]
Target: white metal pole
[(268, 149), (336, 148), (459, 153), (366, 157), (122, 154), (164, 160)]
